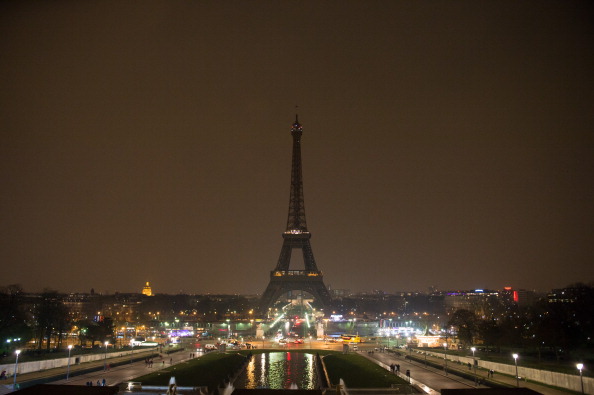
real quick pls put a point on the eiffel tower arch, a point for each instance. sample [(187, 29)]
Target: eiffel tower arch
[(296, 237)]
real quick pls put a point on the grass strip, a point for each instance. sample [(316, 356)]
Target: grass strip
[(359, 372), (209, 370)]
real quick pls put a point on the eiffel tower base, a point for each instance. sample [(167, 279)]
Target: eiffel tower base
[(282, 282)]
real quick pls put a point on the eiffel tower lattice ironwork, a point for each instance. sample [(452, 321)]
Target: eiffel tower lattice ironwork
[(296, 236)]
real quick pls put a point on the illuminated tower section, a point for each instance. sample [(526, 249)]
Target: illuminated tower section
[(146, 290), (296, 236)]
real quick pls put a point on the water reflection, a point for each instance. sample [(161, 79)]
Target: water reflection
[(278, 370)]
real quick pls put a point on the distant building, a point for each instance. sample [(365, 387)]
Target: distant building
[(526, 297), (478, 301), (147, 290), (520, 297), (568, 295), (340, 293)]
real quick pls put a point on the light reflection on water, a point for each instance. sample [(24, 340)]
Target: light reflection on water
[(278, 370)]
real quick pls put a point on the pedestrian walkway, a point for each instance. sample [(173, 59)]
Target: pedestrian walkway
[(455, 369), (128, 371), (433, 378), (88, 371)]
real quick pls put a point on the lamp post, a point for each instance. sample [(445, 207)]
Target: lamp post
[(228, 329), (580, 366), (473, 349), (105, 357), (16, 367), (516, 362), (68, 370), (445, 357)]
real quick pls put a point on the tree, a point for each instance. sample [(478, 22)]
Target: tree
[(489, 332), (52, 318), (13, 322), (94, 331), (465, 323)]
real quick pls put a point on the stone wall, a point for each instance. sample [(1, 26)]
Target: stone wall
[(36, 366)]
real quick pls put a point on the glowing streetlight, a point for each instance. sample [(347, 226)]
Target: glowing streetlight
[(445, 357), (473, 349), (105, 357), (580, 366), (16, 367), (68, 370), (516, 362)]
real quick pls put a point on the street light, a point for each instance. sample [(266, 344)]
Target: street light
[(445, 358), (105, 357), (473, 349), (516, 362), (68, 371), (580, 366), (16, 367)]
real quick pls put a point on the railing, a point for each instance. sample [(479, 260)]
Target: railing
[(281, 273)]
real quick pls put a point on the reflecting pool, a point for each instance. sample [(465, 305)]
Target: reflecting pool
[(279, 370)]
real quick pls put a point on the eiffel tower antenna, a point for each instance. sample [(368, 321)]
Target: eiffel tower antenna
[(296, 236)]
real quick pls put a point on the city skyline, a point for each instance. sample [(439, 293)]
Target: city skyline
[(429, 290), (443, 144)]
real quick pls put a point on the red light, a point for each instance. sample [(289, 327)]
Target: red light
[(515, 296)]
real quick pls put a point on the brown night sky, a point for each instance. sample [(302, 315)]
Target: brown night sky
[(446, 143)]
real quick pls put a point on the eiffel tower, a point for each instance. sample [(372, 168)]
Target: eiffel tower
[(296, 236)]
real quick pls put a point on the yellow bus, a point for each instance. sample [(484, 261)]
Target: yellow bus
[(351, 338)]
